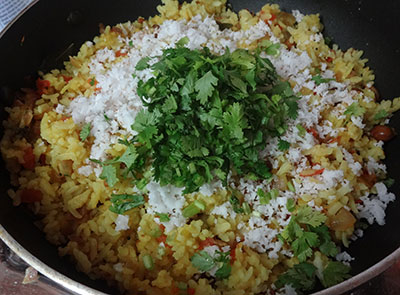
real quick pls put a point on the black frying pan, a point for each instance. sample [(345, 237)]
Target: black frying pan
[(50, 31)]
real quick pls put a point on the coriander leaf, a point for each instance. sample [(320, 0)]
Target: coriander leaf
[(109, 173), (106, 118), (236, 205), (290, 205), (85, 132), (354, 110), (301, 277), (319, 80), (327, 246), (130, 43), (163, 217), (129, 156), (182, 42), (335, 273), (382, 114), (92, 82), (306, 215), (143, 63), (124, 202), (389, 182), (234, 121), (301, 130), (302, 246), (283, 145), (292, 230), (292, 108), (202, 261), (273, 49), (224, 271), (205, 86)]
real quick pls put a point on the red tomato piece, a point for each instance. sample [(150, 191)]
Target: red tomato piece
[(31, 196), (29, 159)]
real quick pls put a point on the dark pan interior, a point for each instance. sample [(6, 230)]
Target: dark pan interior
[(52, 30)]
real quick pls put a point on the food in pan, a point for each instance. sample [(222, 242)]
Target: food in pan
[(202, 151)]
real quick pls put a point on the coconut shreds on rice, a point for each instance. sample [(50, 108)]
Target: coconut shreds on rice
[(246, 236)]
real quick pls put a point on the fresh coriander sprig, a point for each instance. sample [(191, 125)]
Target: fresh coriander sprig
[(204, 262)]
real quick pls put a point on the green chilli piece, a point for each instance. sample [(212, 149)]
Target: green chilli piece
[(194, 208), (148, 262)]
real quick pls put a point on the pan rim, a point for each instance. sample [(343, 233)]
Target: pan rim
[(82, 289)]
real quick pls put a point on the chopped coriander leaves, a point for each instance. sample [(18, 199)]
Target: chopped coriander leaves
[(335, 273), (106, 118), (266, 197), (283, 145), (85, 132), (142, 64), (211, 116), (300, 277), (204, 262), (291, 205), (306, 215), (306, 231), (164, 217), (382, 114), (130, 43), (319, 80), (92, 82), (124, 202), (246, 208), (389, 182), (270, 48), (291, 186), (109, 174), (301, 130), (303, 276), (236, 204), (354, 110)]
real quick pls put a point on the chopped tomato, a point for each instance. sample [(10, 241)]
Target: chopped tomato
[(313, 132), (42, 86), (174, 290), (162, 227), (63, 118), (359, 201), (191, 291), (368, 179), (163, 239), (119, 53), (336, 139), (329, 59), (273, 17), (207, 242), (233, 254), (140, 20), (289, 44), (42, 159), (31, 196), (29, 159), (66, 78), (311, 172)]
